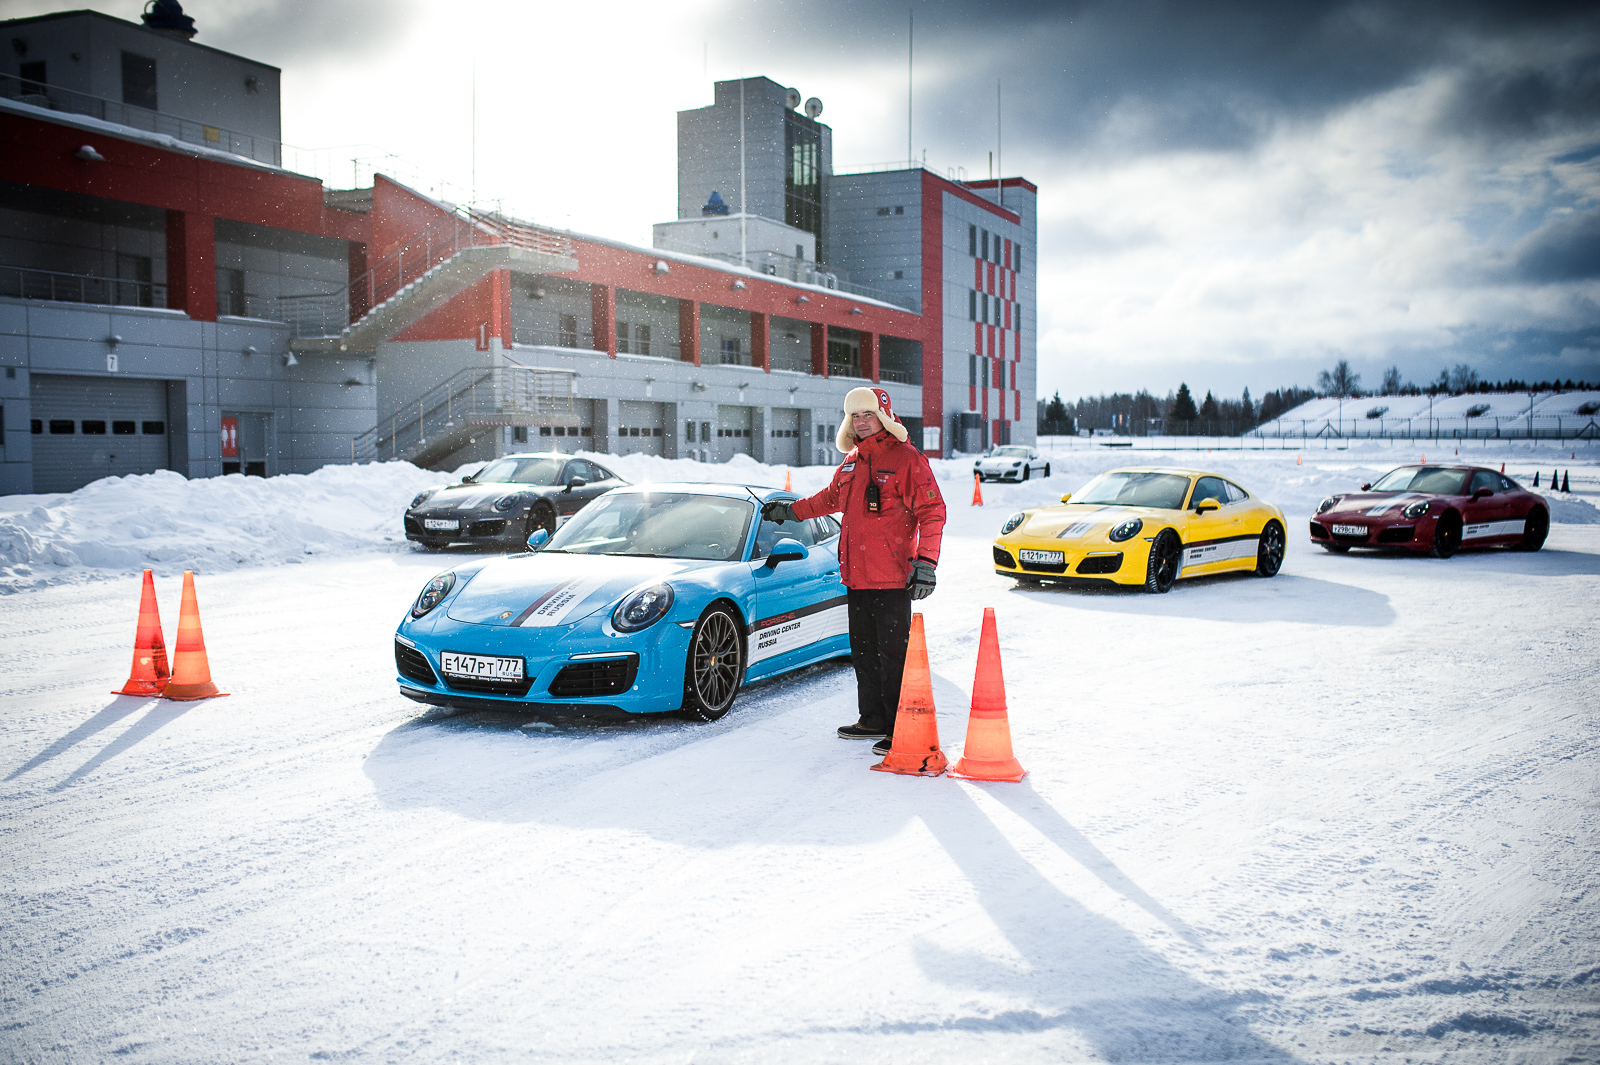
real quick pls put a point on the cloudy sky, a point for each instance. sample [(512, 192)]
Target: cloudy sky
[(1231, 194)]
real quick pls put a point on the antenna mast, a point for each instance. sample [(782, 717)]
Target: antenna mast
[(911, 51), (742, 211), (999, 144)]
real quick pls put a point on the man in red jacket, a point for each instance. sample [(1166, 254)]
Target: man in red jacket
[(893, 522)]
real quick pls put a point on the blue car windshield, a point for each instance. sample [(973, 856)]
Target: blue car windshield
[(1422, 479), (659, 525), (521, 471), (1129, 488)]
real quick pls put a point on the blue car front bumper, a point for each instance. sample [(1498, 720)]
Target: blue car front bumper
[(586, 669)]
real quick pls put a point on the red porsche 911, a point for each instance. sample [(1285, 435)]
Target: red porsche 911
[(1433, 509)]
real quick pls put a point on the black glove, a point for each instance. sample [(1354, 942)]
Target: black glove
[(922, 579), (779, 510)]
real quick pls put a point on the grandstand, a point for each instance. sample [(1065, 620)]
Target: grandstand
[(1503, 415)]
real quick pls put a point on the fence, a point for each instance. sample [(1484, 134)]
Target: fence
[(23, 282), (503, 395)]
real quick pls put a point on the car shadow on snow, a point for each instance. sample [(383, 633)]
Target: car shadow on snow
[(773, 776), (1242, 599), (1547, 562)]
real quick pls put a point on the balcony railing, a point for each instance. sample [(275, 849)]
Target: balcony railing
[(70, 101), (23, 282)]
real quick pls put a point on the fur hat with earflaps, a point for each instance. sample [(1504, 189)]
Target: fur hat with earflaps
[(865, 399)]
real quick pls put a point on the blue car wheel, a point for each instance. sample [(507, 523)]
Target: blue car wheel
[(714, 668)]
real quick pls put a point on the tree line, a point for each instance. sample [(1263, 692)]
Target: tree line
[(1178, 414)]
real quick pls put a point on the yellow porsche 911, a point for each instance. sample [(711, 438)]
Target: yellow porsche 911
[(1144, 526)]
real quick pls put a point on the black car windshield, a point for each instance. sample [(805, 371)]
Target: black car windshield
[(660, 525), (521, 471), (1163, 491), (1433, 479)]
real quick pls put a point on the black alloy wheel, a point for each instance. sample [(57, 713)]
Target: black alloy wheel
[(1269, 550), (715, 667), (1026, 470), (1047, 471), (1534, 530), (1447, 535), (542, 516), (1162, 569)]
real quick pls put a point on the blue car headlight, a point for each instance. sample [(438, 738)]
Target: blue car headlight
[(1417, 509), (1126, 530), (505, 503), (1013, 522), (643, 608), (435, 591), (422, 497)]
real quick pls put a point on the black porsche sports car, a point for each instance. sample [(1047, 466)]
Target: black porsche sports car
[(501, 504)]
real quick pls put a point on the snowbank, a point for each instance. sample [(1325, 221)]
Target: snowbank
[(168, 523), (164, 521)]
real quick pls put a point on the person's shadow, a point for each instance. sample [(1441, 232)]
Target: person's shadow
[(783, 780)]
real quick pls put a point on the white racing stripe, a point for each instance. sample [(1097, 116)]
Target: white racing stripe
[(553, 607), (789, 633), (1492, 528)]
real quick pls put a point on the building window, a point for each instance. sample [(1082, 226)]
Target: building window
[(133, 284), (33, 78), (124, 428), (899, 209), (153, 428), (732, 350), (61, 426), (802, 181), (1016, 318), (1016, 257), (972, 371), (899, 275), (139, 81), (640, 342), (622, 337), (972, 305), (567, 333), (985, 244), (972, 241), (230, 291), (94, 428), (883, 212), (986, 309)]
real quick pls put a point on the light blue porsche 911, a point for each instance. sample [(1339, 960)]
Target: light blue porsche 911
[(653, 598)]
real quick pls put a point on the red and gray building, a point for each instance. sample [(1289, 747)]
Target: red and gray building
[(175, 294)]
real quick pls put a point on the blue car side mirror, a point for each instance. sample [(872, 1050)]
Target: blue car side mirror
[(787, 550), (538, 538)]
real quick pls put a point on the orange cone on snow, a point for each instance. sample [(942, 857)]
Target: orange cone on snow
[(977, 489), (191, 669), (987, 753), (915, 749), (149, 673), (787, 485), (1297, 460), (1502, 467)]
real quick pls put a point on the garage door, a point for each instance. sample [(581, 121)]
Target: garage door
[(733, 432), (783, 445), (85, 428), (640, 428)]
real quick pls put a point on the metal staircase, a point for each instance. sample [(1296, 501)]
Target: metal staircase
[(437, 265), (452, 414)]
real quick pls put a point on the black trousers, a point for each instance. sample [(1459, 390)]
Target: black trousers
[(880, 626)]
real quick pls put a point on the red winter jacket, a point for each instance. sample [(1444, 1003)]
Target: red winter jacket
[(876, 550)]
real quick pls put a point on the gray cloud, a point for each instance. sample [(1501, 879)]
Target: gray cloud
[(292, 32), (1565, 248)]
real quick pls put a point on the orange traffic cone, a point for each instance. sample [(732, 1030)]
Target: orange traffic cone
[(149, 673), (1502, 467), (977, 489), (1297, 460), (987, 753), (787, 484), (915, 750), (191, 669)]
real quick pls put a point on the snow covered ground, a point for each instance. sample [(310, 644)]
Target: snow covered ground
[(1348, 814)]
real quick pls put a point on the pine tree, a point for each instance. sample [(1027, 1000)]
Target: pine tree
[(1246, 408), (1183, 407), (1208, 409)]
